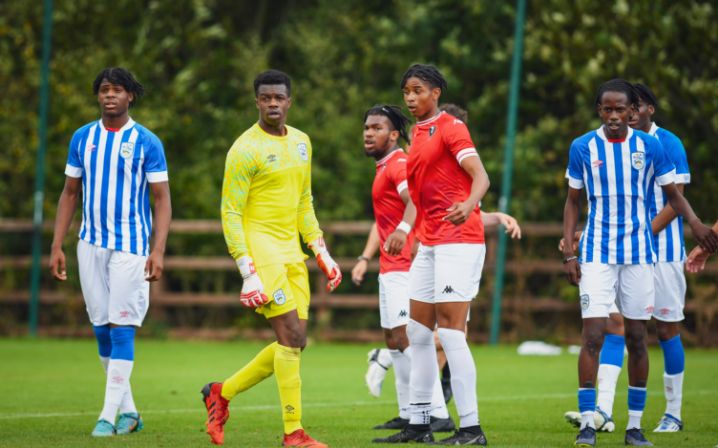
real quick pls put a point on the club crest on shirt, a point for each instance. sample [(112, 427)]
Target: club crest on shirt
[(126, 149), (279, 297), (432, 130), (638, 160), (585, 301), (303, 153)]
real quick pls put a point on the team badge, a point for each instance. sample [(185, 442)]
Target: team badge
[(303, 153), (279, 297), (585, 301), (126, 149), (432, 130), (638, 160)]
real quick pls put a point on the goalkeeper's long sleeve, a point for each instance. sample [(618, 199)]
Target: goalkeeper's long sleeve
[(306, 217), (238, 172)]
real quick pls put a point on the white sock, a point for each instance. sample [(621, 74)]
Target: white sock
[(673, 389), (607, 379), (438, 405), (634, 419), (385, 358), (118, 380), (587, 420), (402, 373), (424, 372), (463, 375), (128, 402)]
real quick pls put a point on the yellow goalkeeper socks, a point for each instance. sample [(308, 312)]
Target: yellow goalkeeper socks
[(255, 371), (286, 366)]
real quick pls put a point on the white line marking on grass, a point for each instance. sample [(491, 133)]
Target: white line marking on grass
[(261, 407)]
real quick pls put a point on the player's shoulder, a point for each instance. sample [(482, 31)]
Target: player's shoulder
[(296, 134), (650, 142), (146, 136), (668, 138), (84, 129), (583, 140), (448, 121)]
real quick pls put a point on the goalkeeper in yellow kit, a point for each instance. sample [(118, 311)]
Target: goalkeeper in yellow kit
[(266, 204)]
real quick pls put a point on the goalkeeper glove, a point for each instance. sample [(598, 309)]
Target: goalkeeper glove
[(252, 295), (326, 263)]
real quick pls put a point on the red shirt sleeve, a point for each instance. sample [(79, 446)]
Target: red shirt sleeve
[(457, 139)]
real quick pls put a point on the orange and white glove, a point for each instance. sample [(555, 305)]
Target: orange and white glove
[(252, 295), (326, 263)]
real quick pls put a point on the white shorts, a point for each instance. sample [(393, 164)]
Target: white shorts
[(394, 299), (446, 273), (629, 286), (670, 291), (113, 284)]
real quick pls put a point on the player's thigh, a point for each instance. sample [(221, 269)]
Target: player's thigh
[(636, 291), (93, 262), (278, 290), (421, 275), (298, 277), (670, 281), (457, 272), (129, 291), (394, 299), (597, 289)]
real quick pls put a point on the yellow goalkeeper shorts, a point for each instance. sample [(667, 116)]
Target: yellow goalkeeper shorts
[(287, 287)]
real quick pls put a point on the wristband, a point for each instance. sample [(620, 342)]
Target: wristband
[(246, 266), (404, 227), (571, 258), (362, 258)]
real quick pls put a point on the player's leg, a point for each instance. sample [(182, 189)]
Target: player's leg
[(636, 298), (597, 293), (668, 312), (458, 274), (381, 359), (609, 368)]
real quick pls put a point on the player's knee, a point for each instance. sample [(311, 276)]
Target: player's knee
[(636, 343), (396, 338), (419, 334), (452, 339), (593, 341), (666, 330)]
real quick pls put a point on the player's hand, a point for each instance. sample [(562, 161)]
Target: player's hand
[(57, 264), (359, 270), (511, 225), (326, 264), (696, 261), (706, 237), (573, 271), (395, 242), (576, 239), (459, 212), (154, 266), (252, 295)]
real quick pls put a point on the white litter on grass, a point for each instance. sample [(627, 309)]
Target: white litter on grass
[(538, 348), (574, 349)]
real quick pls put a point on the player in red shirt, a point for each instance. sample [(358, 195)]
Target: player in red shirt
[(446, 181)]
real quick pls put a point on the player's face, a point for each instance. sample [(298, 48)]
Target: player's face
[(642, 117), (273, 101), (379, 136), (114, 100), (614, 110), (421, 98)]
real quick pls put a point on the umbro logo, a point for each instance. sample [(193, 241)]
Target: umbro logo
[(432, 130), (271, 158), (597, 163), (447, 290)]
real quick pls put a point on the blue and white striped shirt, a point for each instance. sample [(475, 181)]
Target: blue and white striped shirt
[(115, 168), (669, 242), (619, 177)]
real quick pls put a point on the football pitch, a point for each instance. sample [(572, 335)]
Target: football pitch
[(52, 393)]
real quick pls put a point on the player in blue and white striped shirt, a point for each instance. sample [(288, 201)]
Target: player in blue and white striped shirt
[(618, 166), (115, 162)]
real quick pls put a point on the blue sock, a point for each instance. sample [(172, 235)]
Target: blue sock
[(674, 357), (123, 343), (612, 351), (586, 400), (636, 398), (104, 341)]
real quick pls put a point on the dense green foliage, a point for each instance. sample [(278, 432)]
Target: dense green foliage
[(53, 393), (197, 60)]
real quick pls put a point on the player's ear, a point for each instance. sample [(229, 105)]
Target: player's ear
[(651, 109), (256, 101), (289, 102), (394, 135)]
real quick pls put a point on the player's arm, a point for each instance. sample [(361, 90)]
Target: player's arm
[(696, 261), (66, 206), (238, 171), (161, 224), (492, 219), (312, 234), (459, 212), (704, 235), (372, 245), (396, 241), (570, 220), (666, 215)]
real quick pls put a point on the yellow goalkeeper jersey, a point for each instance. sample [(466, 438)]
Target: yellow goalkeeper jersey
[(267, 196)]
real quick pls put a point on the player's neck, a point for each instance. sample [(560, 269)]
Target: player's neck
[(280, 130), (385, 154), (115, 122), (429, 115)]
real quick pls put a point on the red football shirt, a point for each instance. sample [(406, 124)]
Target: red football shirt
[(436, 180), (390, 179)]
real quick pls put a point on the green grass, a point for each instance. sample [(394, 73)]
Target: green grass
[(52, 393)]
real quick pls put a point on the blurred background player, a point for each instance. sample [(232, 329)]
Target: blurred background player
[(394, 213), (112, 161), (446, 182), (616, 263), (670, 286), (266, 204)]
